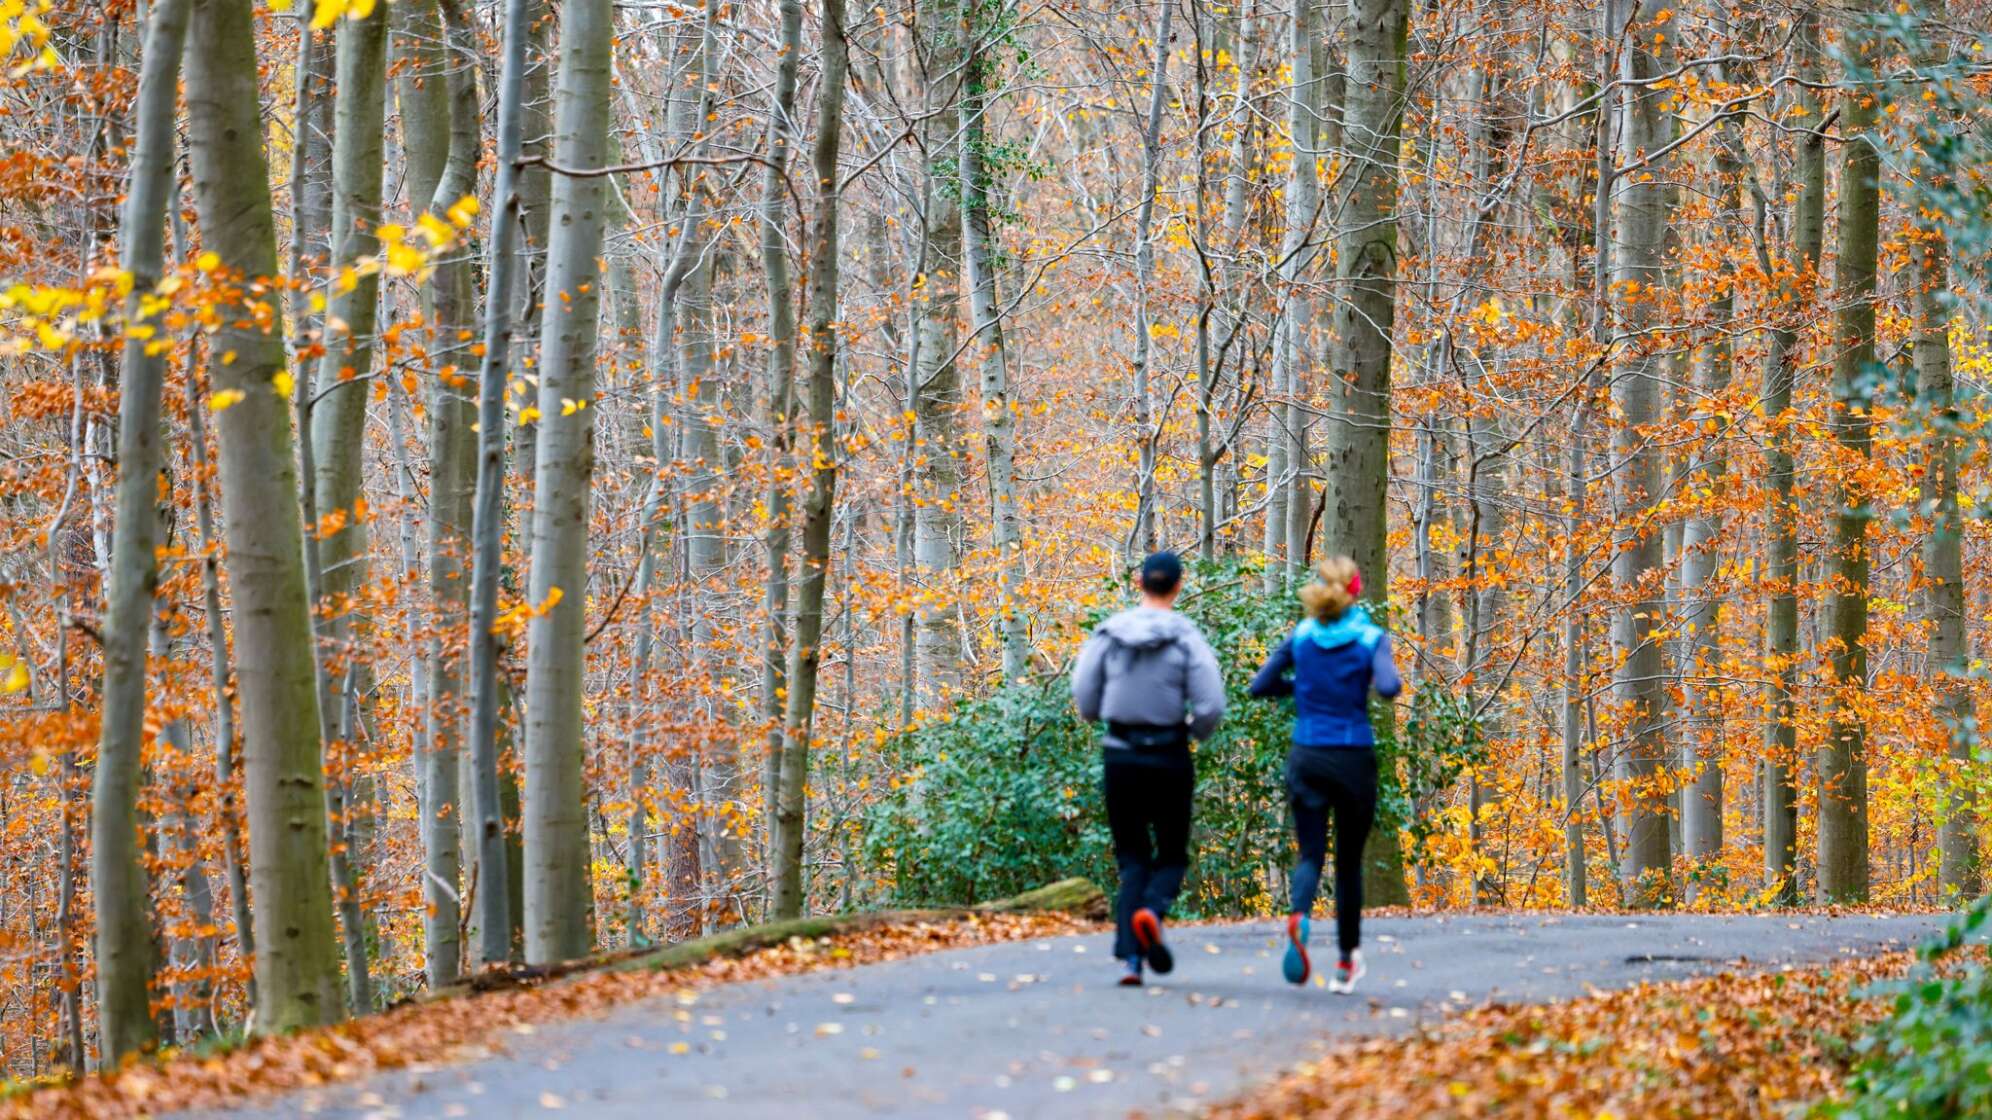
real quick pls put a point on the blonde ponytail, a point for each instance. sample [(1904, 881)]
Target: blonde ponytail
[(1336, 584)]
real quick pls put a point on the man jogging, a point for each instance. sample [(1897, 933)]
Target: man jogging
[(1151, 676)]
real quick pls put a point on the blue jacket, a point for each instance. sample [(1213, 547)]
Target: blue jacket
[(1333, 666)]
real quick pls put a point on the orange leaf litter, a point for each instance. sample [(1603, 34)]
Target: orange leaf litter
[(1730, 1045), (466, 1027)]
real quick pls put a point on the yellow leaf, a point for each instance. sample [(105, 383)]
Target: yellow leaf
[(16, 679), (224, 400), (328, 13), (280, 5), (463, 211), (570, 407), (527, 415), (208, 261), (283, 383), (438, 231), (38, 763)]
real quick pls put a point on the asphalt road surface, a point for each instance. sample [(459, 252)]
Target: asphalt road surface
[(1038, 1029)]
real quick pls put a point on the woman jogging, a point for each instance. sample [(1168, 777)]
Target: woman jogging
[(1329, 665)]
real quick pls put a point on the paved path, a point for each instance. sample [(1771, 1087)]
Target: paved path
[(1037, 1029)]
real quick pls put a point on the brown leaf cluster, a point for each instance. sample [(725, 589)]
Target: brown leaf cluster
[(462, 1027), (1731, 1045)]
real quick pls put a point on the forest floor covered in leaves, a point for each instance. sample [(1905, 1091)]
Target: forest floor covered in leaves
[(440, 1029), (1543, 1014), (1737, 1044)]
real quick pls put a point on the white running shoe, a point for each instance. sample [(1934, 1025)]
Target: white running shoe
[(1342, 980)]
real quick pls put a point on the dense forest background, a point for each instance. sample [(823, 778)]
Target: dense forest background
[(485, 481)]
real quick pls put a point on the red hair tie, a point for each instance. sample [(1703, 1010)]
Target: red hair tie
[(1356, 584)]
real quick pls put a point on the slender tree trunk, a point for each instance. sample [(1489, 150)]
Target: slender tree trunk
[(712, 775), (1945, 603), (494, 917), (338, 421), (999, 418), (559, 898), (790, 890), (1644, 204), (1842, 767), (1287, 489), (1576, 697), (421, 92), (1944, 600), (297, 969), (1703, 801), (452, 479), (1487, 477), (940, 508), (1357, 522), (226, 773), (1781, 642), (781, 401), (192, 949), (1219, 464), (117, 864), (1143, 539)]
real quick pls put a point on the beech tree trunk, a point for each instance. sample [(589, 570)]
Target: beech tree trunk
[(1703, 800), (790, 890), (1143, 539), (491, 854), (1944, 601), (1960, 874), (999, 419), (781, 402), (1577, 470), (338, 422), (940, 508), (227, 772), (297, 959), (1287, 489), (117, 855), (1841, 775), (1781, 644), (1644, 205), (1357, 516), (452, 479), (559, 898)]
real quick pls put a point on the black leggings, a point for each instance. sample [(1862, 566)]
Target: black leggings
[(1143, 792), (1340, 781)]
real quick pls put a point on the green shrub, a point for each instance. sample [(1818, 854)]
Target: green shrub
[(1931, 1057)]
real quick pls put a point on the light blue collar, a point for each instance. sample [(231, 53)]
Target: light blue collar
[(1353, 626)]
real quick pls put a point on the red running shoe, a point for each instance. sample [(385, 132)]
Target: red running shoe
[(1148, 935), (1347, 973)]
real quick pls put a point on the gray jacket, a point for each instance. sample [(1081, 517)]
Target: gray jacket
[(1149, 666)]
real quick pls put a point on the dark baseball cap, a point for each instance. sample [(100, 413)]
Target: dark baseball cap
[(1161, 572)]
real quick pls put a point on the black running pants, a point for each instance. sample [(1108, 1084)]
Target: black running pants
[(1148, 811), (1338, 782)]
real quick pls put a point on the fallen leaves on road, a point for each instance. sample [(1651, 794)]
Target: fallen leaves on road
[(446, 1029), (1731, 1045)]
